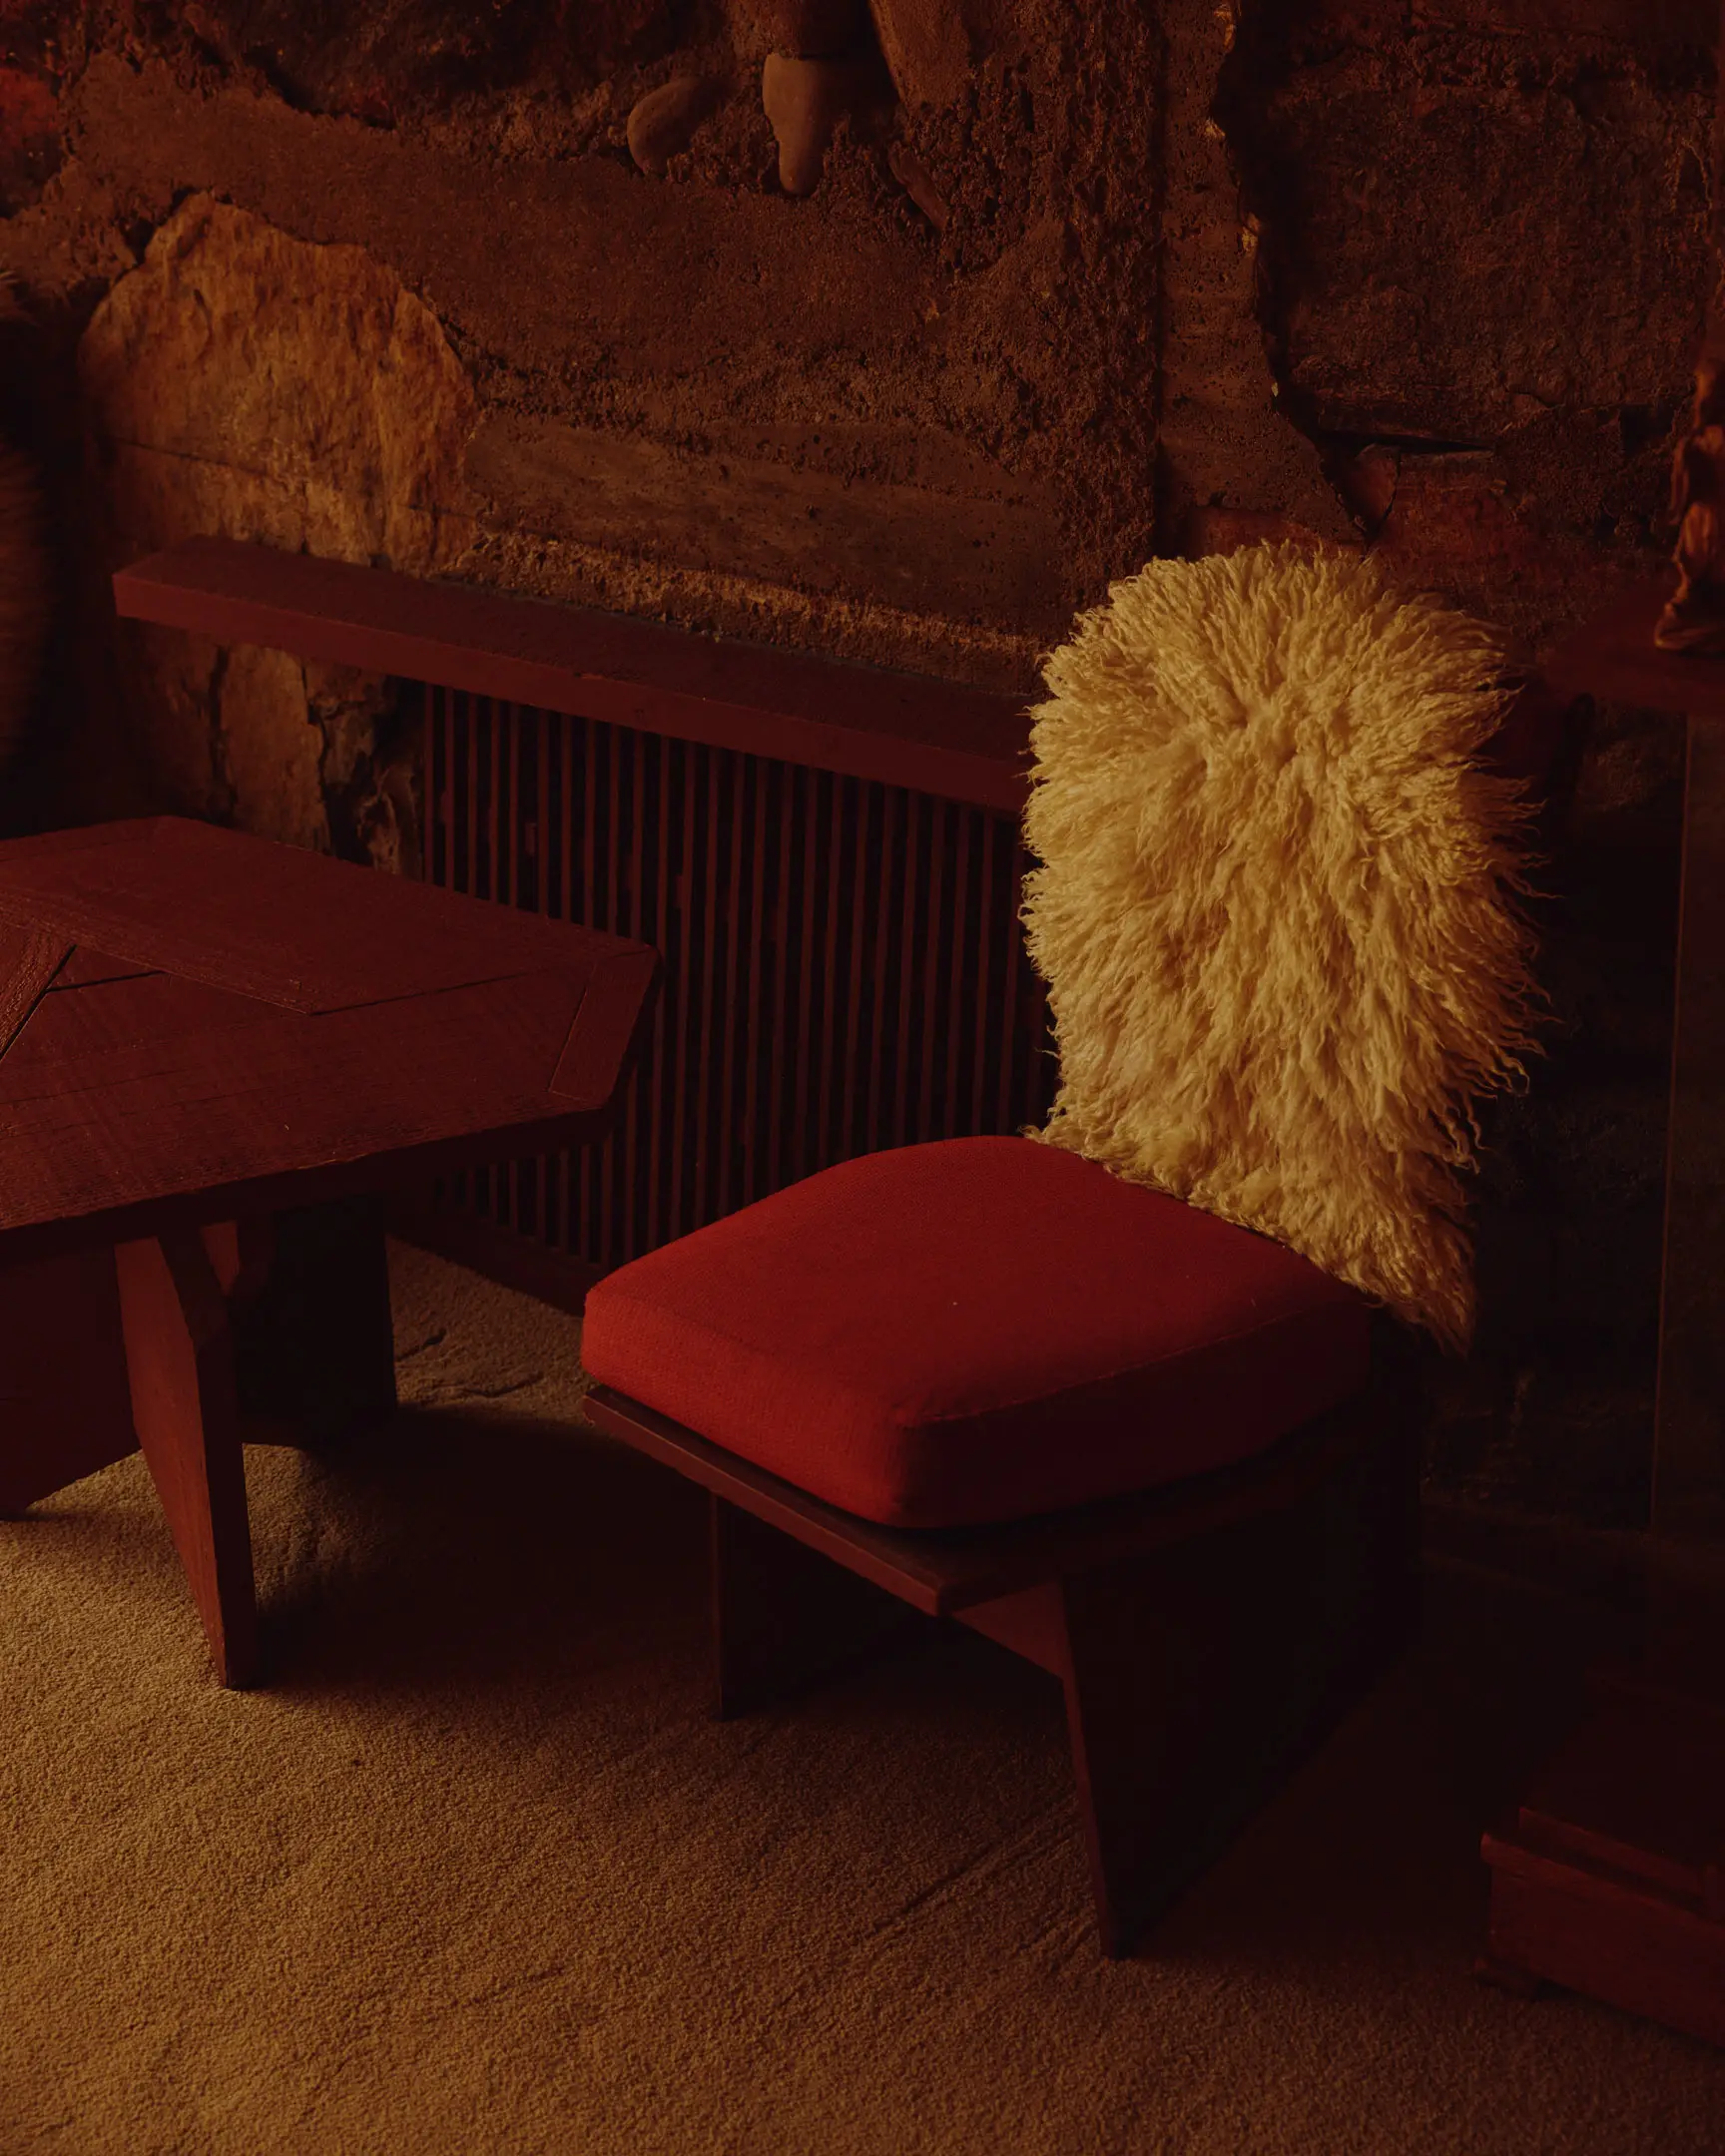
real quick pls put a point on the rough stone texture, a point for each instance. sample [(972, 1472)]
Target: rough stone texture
[(663, 123), (247, 385), (1424, 274), (810, 29)]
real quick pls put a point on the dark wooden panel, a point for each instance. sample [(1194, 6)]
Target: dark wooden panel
[(86, 967), (944, 1572), (905, 729), (297, 928), (830, 986), (1612, 1878), (92, 1134), (1689, 1450), (522, 1261), (785, 1618), (30, 956), (130, 1009), (1614, 655), (65, 1408)]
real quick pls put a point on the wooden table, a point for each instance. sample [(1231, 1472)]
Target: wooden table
[(212, 1050), (1611, 1879)]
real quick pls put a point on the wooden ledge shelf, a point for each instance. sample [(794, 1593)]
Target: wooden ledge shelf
[(1614, 655), (908, 730)]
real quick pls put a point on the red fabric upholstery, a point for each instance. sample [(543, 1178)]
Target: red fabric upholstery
[(976, 1330)]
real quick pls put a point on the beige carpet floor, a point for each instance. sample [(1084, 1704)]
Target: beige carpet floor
[(477, 1873)]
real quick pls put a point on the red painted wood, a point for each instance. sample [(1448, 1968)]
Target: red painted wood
[(945, 1572), (128, 1011), (295, 928), (242, 1120), (905, 729), (88, 968), (179, 1358), (414, 1027), (1031, 1622), (31, 954), (1207, 1636), (65, 1405), (310, 1032), (783, 1617), (1612, 1879)]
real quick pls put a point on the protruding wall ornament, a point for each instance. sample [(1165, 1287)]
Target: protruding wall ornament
[(1694, 617), (825, 60), (661, 124)]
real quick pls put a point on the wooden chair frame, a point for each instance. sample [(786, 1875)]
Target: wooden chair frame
[(1207, 1635)]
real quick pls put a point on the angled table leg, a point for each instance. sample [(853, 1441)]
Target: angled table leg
[(180, 1358)]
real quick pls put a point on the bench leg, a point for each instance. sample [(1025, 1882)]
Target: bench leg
[(1199, 1675), (314, 1343), (783, 1616), (180, 1360), (65, 1408)]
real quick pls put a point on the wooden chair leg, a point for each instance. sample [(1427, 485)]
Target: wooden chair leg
[(180, 1360), (783, 1616), (314, 1343), (1196, 1676), (65, 1408)]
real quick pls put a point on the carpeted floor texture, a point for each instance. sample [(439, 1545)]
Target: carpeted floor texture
[(477, 1872)]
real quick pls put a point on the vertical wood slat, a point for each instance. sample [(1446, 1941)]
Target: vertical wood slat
[(843, 963)]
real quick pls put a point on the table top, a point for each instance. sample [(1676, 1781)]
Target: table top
[(195, 1025), (1613, 655)]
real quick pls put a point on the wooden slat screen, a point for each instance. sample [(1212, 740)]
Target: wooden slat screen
[(843, 967)]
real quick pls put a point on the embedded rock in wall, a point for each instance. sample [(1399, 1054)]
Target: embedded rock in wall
[(245, 384)]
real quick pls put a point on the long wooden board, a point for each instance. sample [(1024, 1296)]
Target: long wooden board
[(911, 730)]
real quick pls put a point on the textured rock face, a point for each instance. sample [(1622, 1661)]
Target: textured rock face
[(243, 383), (1143, 274)]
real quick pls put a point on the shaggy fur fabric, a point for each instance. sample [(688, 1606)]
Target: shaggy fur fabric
[(1274, 907)]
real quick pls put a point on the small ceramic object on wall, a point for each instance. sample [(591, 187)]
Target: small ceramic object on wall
[(804, 101), (663, 123)]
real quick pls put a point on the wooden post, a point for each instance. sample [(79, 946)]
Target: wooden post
[(180, 1360)]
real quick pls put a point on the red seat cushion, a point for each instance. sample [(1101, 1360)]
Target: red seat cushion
[(976, 1330)]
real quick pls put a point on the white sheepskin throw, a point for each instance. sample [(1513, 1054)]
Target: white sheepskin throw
[(1274, 907)]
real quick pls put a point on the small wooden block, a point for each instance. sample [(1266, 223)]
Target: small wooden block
[(1608, 1882), (65, 1405), (942, 737), (785, 1617), (314, 1343)]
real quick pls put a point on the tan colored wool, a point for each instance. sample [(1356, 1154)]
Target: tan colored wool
[(1274, 907)]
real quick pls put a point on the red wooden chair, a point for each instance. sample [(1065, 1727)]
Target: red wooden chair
[(1158, 1456)]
